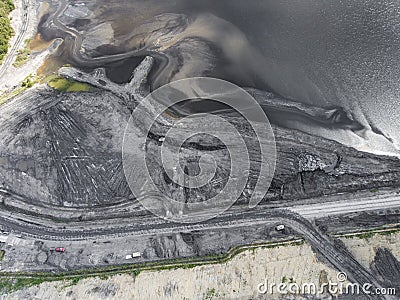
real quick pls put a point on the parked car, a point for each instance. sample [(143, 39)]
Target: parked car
[(60, 249)]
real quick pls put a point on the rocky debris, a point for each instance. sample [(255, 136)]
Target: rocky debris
[(102, 34), (387, 267), (332, 116), (132, 91), (237, 278), (78, 11), (358, 220), (27, 255), (327, 167), (150, 253), (62, 160), (106, 290), (170, 247), (41, 258), (65, 149)]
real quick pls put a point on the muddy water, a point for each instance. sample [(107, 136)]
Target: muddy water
[(324, 53)]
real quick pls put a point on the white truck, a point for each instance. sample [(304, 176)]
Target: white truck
[(133, 255)]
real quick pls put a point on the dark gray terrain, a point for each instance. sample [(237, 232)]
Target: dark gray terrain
[(62, 180)]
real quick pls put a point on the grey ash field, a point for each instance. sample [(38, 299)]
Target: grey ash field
[(62, 182)]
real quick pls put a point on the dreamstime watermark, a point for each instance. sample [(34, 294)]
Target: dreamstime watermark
[(338, 287), (141, 160)]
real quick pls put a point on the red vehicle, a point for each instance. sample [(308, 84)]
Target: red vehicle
[(60, 249)]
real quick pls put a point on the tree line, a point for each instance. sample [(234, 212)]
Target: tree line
[(6, 31)]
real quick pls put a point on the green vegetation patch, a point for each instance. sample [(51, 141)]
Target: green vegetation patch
[(389, 232), (6, 31), (8, 285), (73, 281), (210, 294), (23, 55), (28, 82), (371, 233), (68, 85), (366, 235)]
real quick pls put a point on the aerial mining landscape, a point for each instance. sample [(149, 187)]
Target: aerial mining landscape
[(184, 149)]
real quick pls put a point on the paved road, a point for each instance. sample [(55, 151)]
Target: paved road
[(46, 228), (371, 203), (337, 256), (12, 52), (334, 253)]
